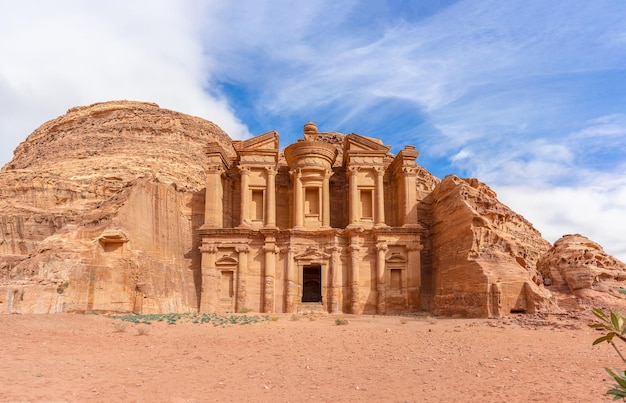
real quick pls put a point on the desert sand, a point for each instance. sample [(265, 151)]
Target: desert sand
[(78, 358)]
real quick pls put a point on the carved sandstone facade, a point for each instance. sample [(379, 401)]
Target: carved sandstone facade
[(311, 230), (124, 206)]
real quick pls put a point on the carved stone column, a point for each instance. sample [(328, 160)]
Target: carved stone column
[(335, 284), (210, 281), (326, 199), (381, 250), (353, 196), (270, 198), (245, 203), (354, 248), (242, 293), (298, 208), (380, 198), (270, 250), (413, 278), (213, 206), (410, 197), (290, 279)]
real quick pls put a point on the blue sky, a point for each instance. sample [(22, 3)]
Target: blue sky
[(527, 96)]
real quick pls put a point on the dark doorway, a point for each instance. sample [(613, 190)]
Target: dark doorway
[(311, 284)]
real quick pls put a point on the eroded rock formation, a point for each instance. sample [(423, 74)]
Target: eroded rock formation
[(98, 210), (484, 254), (104, 209), (580, 273)]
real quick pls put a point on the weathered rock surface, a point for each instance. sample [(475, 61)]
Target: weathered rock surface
[(98, 210), (580, 273), (484, 254)]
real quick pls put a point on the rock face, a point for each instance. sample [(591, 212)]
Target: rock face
[(484, 254), (98, 210), (126, 207), (579, 273)]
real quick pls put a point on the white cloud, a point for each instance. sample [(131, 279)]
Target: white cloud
[(596, 212), (56, 55)]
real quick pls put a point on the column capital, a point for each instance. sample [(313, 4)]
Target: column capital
[(353, 170), (271, 248), (287, 249), (409, 171), (296, 172), (382, 246), (414, 246), (208, 248), (244, 170), (242, 249), (353, 248), (215, 169)]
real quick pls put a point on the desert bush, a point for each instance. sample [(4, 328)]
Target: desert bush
[(143, 330), (341, 322), (613, 325), (120, 326)]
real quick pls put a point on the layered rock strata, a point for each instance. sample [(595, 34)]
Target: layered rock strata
[(103, 209)]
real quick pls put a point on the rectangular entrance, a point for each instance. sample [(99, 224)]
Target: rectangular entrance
[(312, 283)]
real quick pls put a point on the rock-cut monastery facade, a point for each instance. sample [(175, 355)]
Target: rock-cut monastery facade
[(328, 225)]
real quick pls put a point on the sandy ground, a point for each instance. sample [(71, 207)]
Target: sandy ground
[(78, 358)]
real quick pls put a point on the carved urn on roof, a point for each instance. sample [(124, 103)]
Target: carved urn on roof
[(310, 152)]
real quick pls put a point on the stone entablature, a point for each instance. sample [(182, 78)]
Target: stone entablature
[(294, 259)]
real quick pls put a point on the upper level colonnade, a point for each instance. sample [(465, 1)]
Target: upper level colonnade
[(242, 192)]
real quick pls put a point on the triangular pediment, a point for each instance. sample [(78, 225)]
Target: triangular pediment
[(396, 258), (226, 261), (356, 142), (312, 254), (263, 142)]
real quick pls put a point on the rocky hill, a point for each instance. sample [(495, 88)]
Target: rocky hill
[(110, 176), (99, 208)]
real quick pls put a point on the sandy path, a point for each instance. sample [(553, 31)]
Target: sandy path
[(83, 358)]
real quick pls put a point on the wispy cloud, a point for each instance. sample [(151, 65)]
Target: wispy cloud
[(525, 95), (67, 53)]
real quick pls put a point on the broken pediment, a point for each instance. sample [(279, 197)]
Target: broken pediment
[(267, 141), (356, 142), (359, 150), (259, 150)]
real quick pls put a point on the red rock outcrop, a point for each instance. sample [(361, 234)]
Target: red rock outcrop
[(98, 210), (484, 254), (580, 273)]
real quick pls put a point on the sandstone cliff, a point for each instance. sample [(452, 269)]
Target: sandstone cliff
[(98, 210), (580, 273), (484, 254)]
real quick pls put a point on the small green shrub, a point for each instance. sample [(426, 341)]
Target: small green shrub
[(244, 310), (614, 326), (341, 322)]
